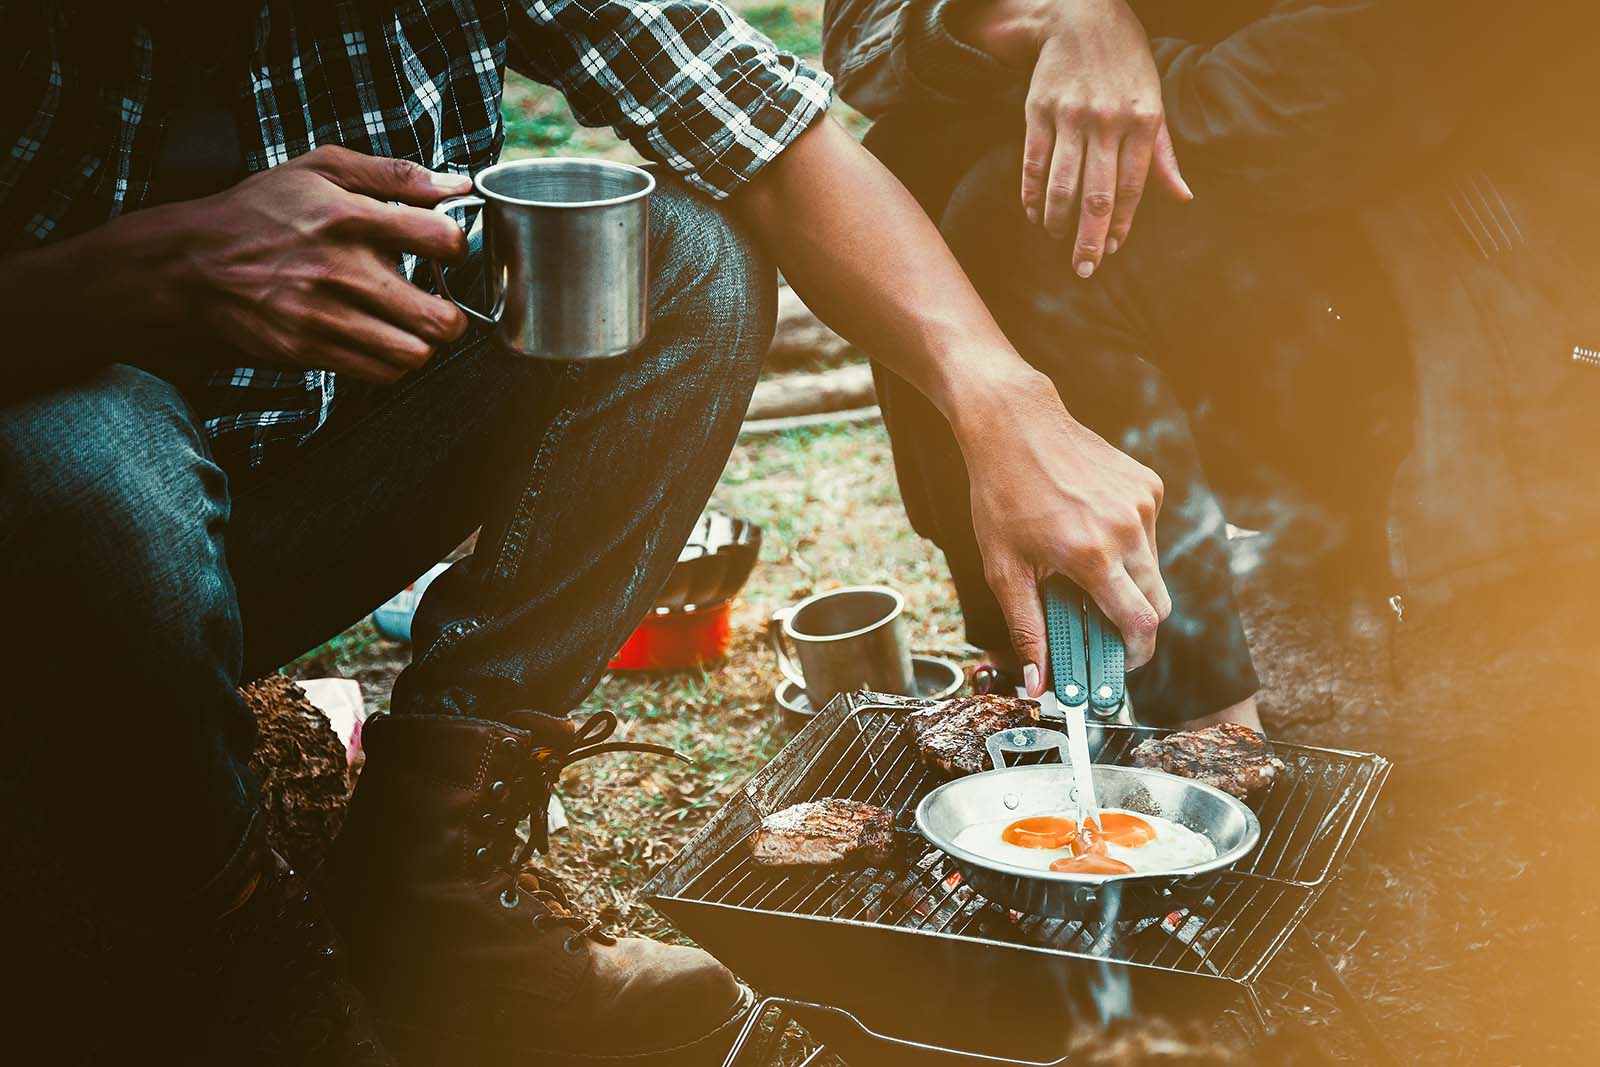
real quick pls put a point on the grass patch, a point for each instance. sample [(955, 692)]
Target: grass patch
[(796, 29), (343, 654), (538, 132)]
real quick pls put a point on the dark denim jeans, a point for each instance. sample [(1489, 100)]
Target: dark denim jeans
[(146, 586)]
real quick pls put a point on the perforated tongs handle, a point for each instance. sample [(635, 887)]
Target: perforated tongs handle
[(1025, 739), (1087, 660)]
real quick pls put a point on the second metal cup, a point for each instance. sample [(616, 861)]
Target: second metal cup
[(845, 639)]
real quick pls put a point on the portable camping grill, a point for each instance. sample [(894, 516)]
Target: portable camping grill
[(908, 952)]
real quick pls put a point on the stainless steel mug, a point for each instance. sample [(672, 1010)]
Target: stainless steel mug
[(566, 256), (845, 639)]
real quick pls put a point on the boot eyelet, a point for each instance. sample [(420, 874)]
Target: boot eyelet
[(570, 946), (499, 791), (482, 856), (509, 746), (541, 922), (509, 899)]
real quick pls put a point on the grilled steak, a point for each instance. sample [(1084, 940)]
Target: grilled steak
[(1233, 758), (819, 832), (950, 736)]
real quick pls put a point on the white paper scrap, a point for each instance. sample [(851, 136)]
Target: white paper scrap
[(339, 700)]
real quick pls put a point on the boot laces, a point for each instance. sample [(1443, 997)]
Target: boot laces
[(530, 797), (551, 895)]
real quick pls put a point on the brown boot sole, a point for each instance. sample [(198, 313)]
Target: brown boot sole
[(416, 1046)]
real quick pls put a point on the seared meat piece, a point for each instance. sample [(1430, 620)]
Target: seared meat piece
[(828, 831), (1233, 758), (950, 736)]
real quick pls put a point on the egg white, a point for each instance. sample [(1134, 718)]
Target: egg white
[(1174, 847)]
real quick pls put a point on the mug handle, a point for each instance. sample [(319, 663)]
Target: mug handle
[(444, 207), (786, 664)]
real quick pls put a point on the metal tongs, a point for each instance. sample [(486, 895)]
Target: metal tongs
[(1087, 665), (1087, 660)]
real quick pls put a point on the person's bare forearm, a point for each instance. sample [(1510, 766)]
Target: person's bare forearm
[(861, 253), (1048, 496), (294, 266), (89, 299)]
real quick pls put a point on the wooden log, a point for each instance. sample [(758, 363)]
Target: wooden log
[(806, 394), (800, 338)]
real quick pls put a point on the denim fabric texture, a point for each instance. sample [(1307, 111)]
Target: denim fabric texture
[(117, 525)]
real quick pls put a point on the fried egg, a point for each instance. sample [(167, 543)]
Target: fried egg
[(1127, 842)]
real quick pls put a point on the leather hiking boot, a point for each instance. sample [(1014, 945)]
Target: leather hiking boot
[(468, 954)]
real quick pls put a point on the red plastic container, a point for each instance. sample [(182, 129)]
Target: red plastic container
[(674, 638)]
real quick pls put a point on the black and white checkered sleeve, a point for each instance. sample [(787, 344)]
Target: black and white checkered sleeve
[(685, 81)]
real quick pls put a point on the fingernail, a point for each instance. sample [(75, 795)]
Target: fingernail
[(446, 180), (1186, 189), (1112, 244), (1085, 268), (1030, 679), (1033, 215)]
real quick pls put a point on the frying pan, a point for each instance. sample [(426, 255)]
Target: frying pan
[(1016, 792)]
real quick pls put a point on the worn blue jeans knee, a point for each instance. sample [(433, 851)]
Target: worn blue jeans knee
[(146, 582)]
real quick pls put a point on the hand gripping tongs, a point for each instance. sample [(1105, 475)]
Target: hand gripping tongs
[(1087, 659)]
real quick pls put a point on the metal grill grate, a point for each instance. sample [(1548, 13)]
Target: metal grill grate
[(1228, 929)]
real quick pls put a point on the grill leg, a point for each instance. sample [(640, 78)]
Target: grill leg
[(1377, 1048), (754, 1048), (750, 1032)]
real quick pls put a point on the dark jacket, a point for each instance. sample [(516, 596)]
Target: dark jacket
[(1463, 140)]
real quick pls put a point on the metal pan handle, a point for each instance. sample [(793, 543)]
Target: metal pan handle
[(1025, 739)]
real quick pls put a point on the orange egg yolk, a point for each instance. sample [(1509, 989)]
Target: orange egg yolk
[(1091, 863), (1052, 831), (1119, 828), (1041, 831)]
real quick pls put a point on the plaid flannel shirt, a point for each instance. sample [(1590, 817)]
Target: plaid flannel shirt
[(685, 81)]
